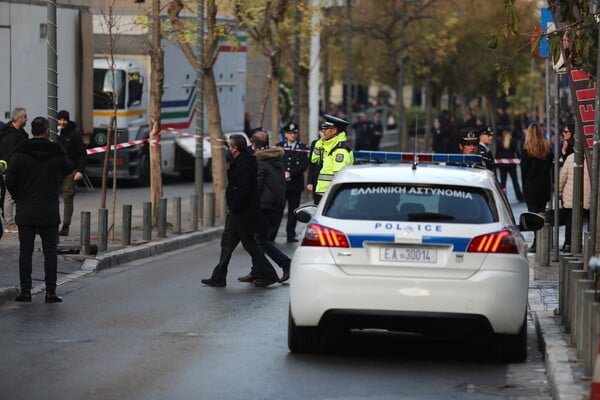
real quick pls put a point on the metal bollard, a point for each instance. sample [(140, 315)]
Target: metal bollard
[(208, 214), (126, 225), (576, 275), (568, 303), (102, 229), (595, 326), (581, 321), (194, 211), (223, 208), (177, 215), (562, 272), (162, 218), (544, 245), (84, 229), (147, 221), (587, 331)]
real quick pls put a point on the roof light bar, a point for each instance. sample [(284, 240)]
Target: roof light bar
[(362, 156)]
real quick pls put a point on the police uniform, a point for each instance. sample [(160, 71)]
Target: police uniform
[(486, 154), (295, 162), (336, 153)]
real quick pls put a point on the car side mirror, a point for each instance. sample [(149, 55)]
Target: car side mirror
[(529, 221), (305, 213)]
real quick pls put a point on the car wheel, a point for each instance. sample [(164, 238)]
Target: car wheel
[(512, 348), (302, 339)]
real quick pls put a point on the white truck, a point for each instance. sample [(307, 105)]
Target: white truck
[(178, 114)]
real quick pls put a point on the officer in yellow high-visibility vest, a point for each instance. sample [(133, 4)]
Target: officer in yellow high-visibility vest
[(332, 152)]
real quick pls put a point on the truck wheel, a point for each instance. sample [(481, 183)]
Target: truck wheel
[(208, 171), (144, 170)]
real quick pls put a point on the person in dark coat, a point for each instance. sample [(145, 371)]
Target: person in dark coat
[(365, 134), (11, 135), (508, 149), (69, 136), (243, 218), (271, 188), (486, 138), (295, 162), (536, 171), (35, 170)]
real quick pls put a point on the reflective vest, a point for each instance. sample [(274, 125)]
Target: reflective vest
[(335, 154)]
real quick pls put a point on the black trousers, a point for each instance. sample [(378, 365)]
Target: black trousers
[(49, 236), (292, 197), (512, 170), (569, 223), (234, 233)]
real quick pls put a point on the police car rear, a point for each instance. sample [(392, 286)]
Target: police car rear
[(425, 248)]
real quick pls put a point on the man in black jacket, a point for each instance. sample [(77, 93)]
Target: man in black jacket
[(32, 178), (69, 136), (243, 217), (295, 162), (10, 136), (271, 192)]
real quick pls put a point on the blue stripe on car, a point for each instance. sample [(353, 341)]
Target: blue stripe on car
[(459, 244)]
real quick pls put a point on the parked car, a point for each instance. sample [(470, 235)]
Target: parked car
[(426, 248)]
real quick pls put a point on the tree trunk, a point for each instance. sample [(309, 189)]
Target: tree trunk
[(428, 119), (303, 121), (274, 100), (216, 140), (156, 92)]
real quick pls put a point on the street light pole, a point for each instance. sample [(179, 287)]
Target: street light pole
[(199, 150), (349, 61)]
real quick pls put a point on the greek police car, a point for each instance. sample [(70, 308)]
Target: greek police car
[(414, 247)]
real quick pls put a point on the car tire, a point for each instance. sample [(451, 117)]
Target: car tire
[(512, 348), (303, 339)]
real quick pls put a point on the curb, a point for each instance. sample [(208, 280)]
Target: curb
[(122, 256), (560, 359)]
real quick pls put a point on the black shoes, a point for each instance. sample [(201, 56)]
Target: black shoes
[(64, 231), (24, 297), (52, 297), (213, 283), (291, 239), (263, 283), (247, 278), (286, 274)]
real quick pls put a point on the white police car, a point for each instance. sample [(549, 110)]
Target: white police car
[(413, 247)]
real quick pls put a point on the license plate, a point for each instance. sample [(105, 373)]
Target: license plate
[(408, 254)]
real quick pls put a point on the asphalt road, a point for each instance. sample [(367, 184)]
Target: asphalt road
[(150, 330)]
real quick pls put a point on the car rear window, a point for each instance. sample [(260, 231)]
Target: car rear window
[(412, 202)]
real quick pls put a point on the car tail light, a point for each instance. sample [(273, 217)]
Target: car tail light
[(322, 236), (496, 242)]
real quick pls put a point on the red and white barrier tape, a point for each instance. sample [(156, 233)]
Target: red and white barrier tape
[(507, 161), (102, 149)]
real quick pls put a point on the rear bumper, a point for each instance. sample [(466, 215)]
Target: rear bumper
[(321, 293)]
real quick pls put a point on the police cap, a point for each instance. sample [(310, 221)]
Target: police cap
[(325, 125), (291, 127), (339, 123), (469, 135), (487, 131)]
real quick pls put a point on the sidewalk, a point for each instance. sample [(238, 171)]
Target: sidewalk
[(563, 370)]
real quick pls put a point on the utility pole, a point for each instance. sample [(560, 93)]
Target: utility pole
[(52, 67), (349, 62)]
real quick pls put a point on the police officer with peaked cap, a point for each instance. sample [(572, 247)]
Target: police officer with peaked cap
[(469, 140), (486, 138)]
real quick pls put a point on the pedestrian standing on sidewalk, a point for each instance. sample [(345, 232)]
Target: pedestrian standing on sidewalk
[(295, 162), (536, 171), (33, 177), (271, 192), (69, 136), (11, 135), (565, 192), (243, 217)]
